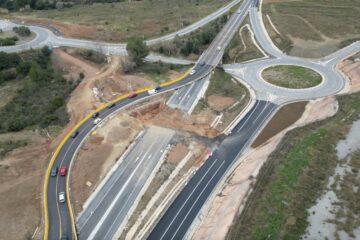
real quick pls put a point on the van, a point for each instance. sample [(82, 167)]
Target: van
[(96, 121)]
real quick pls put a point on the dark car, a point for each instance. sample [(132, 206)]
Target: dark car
[(132, 95), (111, 105), (75, 134), (54, 171), (158, 88), (202, 64), (95, 115)]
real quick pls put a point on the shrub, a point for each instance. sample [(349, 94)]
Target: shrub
[(22, 31)]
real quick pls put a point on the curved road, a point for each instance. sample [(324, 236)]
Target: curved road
[(47, 37), (183, 211)]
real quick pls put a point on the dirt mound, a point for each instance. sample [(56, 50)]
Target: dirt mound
[(159, 114), (220, 103), (352, 70)]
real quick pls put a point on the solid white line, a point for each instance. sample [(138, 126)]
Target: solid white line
[(133, 189), (256, 105), (95, 230), (197, 200), (188, 198)]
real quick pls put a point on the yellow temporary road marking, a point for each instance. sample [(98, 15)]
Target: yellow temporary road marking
[(63, 141)]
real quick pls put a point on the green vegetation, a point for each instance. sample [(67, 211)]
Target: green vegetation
[(8, 146), (294, 176), (22, 31), (194, 43), (157, 72), (325, 22), (291, 76), (137, 50), (40, 102), (241, 47), (121, 20), (91, 56), (222, 85), (8, 41)]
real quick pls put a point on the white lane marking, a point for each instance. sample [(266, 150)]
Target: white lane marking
[(96, 229), (202, 178), (197, 199), (111, 186), (261, 112), (132, 191), (256, 105)]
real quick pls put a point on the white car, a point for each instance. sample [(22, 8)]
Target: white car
[(152, 91), (61, 197), (97, 120), (219, 48), (192, 72)]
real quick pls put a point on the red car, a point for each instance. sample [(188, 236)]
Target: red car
[(63, 171), (132, 95)]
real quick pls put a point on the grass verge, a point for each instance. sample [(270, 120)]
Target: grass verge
[(294, 176), (291, 76)]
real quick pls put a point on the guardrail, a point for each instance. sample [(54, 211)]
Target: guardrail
[(66, 138)]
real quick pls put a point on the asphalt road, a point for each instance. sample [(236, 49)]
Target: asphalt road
[(59, 215), (250, 72), (110, 205), (187, 98), (183, 211)]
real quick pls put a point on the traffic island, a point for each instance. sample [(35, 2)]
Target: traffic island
[(289, 76)]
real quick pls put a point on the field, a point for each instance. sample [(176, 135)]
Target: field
[(291, 76), (122, 20), (322, 26), (297, 174)]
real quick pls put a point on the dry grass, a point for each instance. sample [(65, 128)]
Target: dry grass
[(291, 76), (119, 21), (327, 24)]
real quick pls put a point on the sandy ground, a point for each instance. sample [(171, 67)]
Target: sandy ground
[(68, 30), (352, 70), (159, 114), (218, 215), (220, 103), (99, 153), (21, 177)]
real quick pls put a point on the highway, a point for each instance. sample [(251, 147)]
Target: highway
[(111, 203), (182, 212), (187, 98), (178, 218), (59, 215)]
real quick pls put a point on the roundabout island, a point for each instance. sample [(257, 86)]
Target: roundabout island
[(290, 76)]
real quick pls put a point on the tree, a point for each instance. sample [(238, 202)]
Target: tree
[(137, 49)]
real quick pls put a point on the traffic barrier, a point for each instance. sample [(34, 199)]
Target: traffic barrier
[(63, 141)]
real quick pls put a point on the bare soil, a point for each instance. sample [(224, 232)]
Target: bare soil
[(159, 114), (351, 69), (99, 153), (220, 103), (285, 117)]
